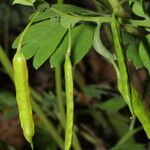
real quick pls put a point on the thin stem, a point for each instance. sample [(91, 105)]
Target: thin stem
[(127, 136), (24, 31), (75, 142), (59, 2), (69, 44), (58, 83), (131, 128), (130, 133), (84, 18), (102, 19), (6, 63), (6, 30), (89, 138), (60, 100)]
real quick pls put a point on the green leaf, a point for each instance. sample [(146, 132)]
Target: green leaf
[(126, 38), (68, 22), (48, 45), (35, 36), (99, 47), (82, 42), (43, 15), (79, 36), (132, 51), (96, 90), (35, 31), (113, 104), (144, 51), (41, 40), (24, 2), (41, 5), (138, 9), (93, 91), (133, 55), (58, 56)]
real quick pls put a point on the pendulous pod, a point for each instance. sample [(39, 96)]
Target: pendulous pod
[(69, 102), (23, 96)]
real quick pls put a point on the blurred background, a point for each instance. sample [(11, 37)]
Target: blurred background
[(101, 116)]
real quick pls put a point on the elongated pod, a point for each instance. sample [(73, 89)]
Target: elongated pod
[(23, 96), (140, 110), (69, 102), (122, 75)]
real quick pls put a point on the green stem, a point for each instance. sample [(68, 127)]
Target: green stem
[(131, 128), (83, 18), (75, 142), (115, 4), (103, 19), (6, 63), (6, 30), (93, 140), (60, 100), (59, 2), (127, 136), (24, 31)]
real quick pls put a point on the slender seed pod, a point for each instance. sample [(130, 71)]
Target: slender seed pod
[(140, 110), (69, 102), (23, 96), (122, 75)]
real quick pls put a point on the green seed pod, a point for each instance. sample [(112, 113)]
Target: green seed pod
[(23, 96), (69, 102), (140, 110), (122, 75)]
